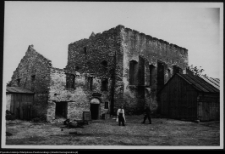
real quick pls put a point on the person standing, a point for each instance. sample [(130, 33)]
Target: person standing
[(121, 116), (147, 114)]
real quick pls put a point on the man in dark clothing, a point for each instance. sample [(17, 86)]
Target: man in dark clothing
[(147, 114)]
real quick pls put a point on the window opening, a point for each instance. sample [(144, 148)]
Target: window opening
[(152, 73), (104, 86), (70, 81), (106, 105), (133, 78)]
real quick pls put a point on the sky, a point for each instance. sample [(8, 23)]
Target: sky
[(51, 26)]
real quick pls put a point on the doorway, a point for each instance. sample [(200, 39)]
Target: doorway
[(61, 110), (94, 111)]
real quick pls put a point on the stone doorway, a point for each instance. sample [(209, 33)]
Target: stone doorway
[(94, 108), (94, 111), (61, 110)]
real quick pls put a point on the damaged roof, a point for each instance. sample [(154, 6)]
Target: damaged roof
[(199, 83), (18, 90)]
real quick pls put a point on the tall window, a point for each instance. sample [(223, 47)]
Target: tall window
[(104, 86), (90, 83), (141, 71), (70, 81), (106, 105), (152, 74), (133, 74)]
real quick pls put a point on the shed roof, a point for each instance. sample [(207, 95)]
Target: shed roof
[(198, 83), (18, 90), (213, 81)]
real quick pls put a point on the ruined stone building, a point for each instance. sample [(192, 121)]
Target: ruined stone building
[(58, 92), (119, 66)]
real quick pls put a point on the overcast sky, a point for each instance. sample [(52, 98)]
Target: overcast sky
[(51, 26)]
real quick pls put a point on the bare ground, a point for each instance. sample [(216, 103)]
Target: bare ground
[(162, 132)]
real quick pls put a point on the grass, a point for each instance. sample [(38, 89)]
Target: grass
[(107, 132)]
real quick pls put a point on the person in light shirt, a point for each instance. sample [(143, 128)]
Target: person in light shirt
[(121, 116)]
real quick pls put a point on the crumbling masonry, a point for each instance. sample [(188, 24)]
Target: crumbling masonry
[(119, 66)]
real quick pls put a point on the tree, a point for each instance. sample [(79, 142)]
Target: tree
[(196, 71)]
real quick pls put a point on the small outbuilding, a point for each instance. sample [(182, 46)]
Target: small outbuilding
[(190, 97), (19, 102)]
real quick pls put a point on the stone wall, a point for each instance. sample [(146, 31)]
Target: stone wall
[(118, 46), (33, 72), (136, 46), (102, 56), (77, 99)]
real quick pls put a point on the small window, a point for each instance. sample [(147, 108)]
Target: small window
[(106, 105), (104, 86), (70, 81), (90, 83), (18, 82)]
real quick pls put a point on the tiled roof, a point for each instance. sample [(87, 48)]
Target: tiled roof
[(213, 81), (18, 90), (198, 83)]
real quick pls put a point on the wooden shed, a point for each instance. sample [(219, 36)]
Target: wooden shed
[(19, 102), (189, 97)]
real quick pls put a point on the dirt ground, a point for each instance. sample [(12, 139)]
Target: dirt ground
[(162, 132)]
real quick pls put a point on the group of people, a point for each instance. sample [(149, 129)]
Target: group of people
[(122, 120)]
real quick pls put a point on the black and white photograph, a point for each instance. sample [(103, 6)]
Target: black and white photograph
[(112, 75)]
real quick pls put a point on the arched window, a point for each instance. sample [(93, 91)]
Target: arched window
[(133, 73), (141, 71)]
